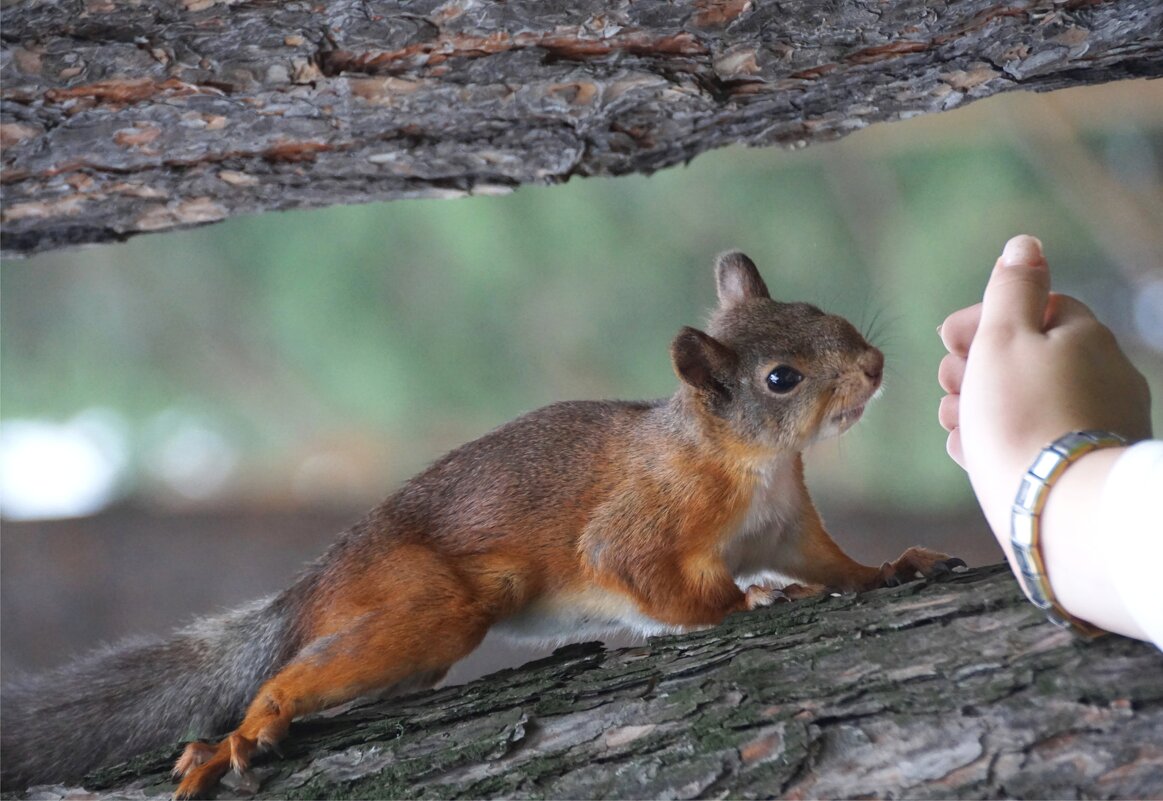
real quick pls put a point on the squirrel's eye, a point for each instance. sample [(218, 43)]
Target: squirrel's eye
[(784, 379)]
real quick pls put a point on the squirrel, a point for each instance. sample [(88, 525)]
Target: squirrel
[(579, 518)]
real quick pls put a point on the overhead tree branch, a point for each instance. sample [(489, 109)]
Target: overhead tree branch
[(120, 118), (950, 689)]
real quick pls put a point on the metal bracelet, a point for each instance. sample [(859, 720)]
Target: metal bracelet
[(1026, 520)]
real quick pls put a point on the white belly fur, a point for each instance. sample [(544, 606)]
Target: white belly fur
[(753, 551), (593, 613)]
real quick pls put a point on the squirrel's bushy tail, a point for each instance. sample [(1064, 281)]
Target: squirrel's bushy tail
[(140, 695)]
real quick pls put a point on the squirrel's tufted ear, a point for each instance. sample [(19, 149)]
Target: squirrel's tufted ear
[(702, 361), (738, 279)]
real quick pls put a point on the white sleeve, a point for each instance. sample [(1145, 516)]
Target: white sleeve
[(1132, 500)]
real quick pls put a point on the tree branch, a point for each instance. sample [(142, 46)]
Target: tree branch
[(957, 688), (120, 118)]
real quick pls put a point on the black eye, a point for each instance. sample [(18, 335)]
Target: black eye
[(784, 379)]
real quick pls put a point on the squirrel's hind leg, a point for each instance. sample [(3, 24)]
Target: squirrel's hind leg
[(415, 625)]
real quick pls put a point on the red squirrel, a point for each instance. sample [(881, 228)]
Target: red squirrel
[(576, 519)]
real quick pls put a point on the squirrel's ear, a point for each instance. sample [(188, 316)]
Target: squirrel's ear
[(702, 361), (738, 279)]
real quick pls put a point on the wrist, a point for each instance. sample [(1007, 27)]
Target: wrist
[(1075, 501), (1074, 549)]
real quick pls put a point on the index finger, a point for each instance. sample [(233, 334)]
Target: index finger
[(959, 328)]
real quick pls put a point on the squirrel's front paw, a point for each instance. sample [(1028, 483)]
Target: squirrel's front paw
[(917, 560), (799, 592), (761, 595)]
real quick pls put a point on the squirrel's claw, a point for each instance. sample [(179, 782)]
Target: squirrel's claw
[(200, 767), (799, 592), (918, 561), (944, 567), (760, 595), (940, 569), (195, 754)]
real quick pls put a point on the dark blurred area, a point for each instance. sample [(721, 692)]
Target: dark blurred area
[(186, 419), (70, 585)]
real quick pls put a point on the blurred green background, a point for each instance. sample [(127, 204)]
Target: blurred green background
[(322, 356), (225, 399)]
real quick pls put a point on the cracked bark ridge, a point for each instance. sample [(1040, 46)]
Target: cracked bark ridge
[(935, 689), (121, 118)]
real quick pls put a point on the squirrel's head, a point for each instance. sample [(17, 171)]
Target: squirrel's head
[(779, 375)]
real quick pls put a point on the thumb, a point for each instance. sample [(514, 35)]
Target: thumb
[(1018, 288)]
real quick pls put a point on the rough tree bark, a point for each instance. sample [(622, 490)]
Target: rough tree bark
[(957, 688), (119, 118)]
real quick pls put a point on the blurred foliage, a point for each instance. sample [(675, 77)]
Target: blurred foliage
[(336, 351)]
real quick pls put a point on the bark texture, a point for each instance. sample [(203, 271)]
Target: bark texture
[(957, 688), (124, 117)]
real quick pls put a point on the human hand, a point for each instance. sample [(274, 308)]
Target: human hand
[(1025, 366)]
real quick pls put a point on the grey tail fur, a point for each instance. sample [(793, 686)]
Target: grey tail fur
[(141, 695)]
